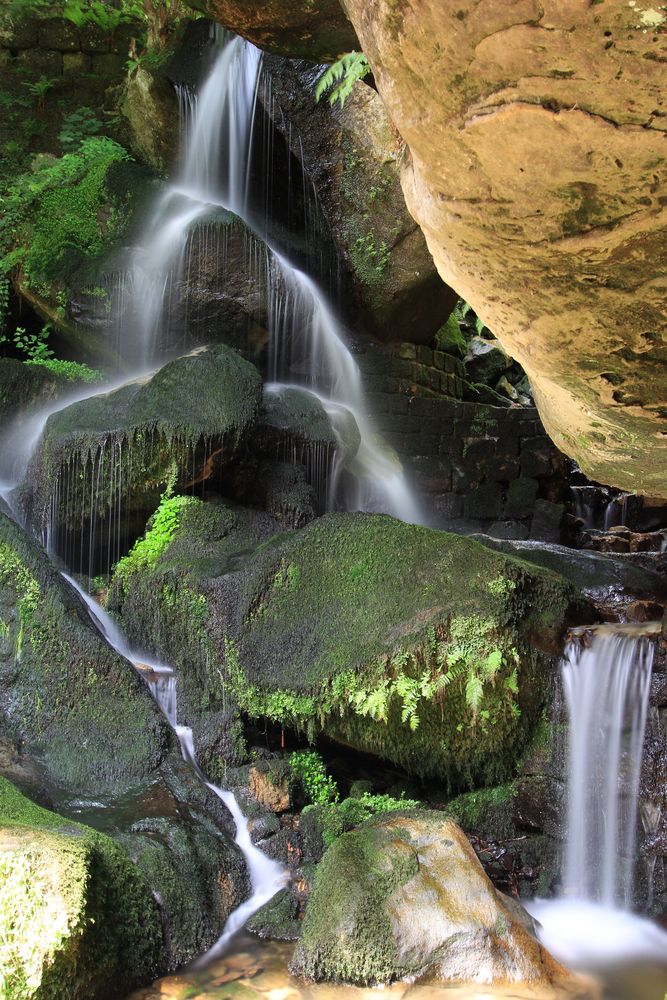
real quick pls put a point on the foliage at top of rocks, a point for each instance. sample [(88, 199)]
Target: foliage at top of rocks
[(339, 78)]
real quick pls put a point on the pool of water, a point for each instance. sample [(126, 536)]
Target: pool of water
[(257, 970)]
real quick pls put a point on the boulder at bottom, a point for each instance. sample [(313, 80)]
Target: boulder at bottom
[(77, 919), (405, 896)]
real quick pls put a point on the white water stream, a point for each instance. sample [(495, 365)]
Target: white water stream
[(267, 877), (591, 927), (218, 135)]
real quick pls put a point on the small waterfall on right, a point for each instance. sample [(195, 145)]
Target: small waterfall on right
[(606, 673), (606, 689)]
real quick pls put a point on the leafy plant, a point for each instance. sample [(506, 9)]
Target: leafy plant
[(40, 88), (309, 775), (77, 126), (72, 371), (147, 550), (33, 345), (339, 817), (339, 78)]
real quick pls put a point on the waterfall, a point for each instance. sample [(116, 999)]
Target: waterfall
[(306, 337), (606, 689), (267, 877), (607, 685)]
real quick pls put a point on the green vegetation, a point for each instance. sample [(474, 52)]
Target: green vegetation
[(71, 371), (309, 775), (75, 913), (339, 78), (147, 550), (61, 214), (330, 820)]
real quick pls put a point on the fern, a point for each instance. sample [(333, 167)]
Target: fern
[(340, 78), (474, 691)]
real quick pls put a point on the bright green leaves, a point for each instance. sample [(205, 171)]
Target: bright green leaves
[(340, 78)]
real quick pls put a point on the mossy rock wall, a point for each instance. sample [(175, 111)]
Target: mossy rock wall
[(417, 645), (63, 692), (77, 918)]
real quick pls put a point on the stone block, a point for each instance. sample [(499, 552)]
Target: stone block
[(547, 524), (59, 34), (521, 497), (76, 63), (39, 62), (109, 64), (22, 34), (439, 360), (408, 352), (94, 39), (484, 501), (537, 454), (424, 355)]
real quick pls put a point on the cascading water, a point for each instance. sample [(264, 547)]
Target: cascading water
[(304, 331), (606, 685), (606, 689), (267, 877)]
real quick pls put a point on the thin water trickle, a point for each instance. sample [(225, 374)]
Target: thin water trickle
[(267, 877)]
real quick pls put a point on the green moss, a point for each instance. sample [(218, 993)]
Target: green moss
[(347, 934), (63, 690), (397, 639), (61, 213), (323, 823), (450, 340), (161, 527), (75, 915), (486, 812)]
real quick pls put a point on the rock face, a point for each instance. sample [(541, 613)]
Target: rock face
[(405, 896), (412, 644), (77, 916), (78, 725), (192, 413), (352, 156), (309, 29), (537, 160)]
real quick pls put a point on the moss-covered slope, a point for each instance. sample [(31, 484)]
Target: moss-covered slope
[(77, 919), (407, 642), (63, 692)]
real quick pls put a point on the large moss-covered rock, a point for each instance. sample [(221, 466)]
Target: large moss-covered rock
[(536, 163), (137, 436), (79, 727), (63, 693), (77, 919), (309, 29), (404, 897), (352, 154), (410, 643)]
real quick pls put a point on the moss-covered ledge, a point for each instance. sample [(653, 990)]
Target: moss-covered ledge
[(64, 694), (417, 645), (77, 918)]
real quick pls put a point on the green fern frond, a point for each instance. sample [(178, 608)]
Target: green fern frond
[(340, 78)]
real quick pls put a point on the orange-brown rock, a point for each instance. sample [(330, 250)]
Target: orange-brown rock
[(311, 29), (270, 789), (537, 171)]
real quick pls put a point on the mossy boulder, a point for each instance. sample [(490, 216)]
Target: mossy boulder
[(405, 896), (24, 387), (122, 447), (83, 720), (77, 919), (65, 694), (413, 644)]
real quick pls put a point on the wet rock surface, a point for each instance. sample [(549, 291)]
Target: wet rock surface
[(471, 88), (407, 896)]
